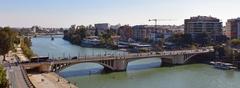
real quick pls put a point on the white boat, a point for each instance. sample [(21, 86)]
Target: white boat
[(222, 65)]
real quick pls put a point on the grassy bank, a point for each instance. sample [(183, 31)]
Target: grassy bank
[(25, 45)]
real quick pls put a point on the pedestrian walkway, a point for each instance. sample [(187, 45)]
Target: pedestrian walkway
[(49, 80), (20, 54)]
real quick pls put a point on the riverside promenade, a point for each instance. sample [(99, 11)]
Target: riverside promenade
[(18, 78), (49, 80)]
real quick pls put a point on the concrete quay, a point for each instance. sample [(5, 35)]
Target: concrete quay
[(49, 80)]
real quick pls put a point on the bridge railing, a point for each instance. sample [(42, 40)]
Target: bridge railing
[(27, 80), (130, 55)]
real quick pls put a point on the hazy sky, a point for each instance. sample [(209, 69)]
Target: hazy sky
[(63, 13)]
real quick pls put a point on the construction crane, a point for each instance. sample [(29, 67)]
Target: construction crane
[(156, 20), (156, 23)]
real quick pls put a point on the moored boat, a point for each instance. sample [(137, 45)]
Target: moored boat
[(222, 65)]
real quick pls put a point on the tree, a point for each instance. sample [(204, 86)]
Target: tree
[(235, 42), (203, 39), (106, 39), (12, 36), (3, 79), (182, 40), (221, 39), (27, 41), (83, 32), (25, 45), (187, 39), (5, 45), (76, 35)]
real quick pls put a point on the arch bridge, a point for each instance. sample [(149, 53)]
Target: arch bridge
[(119, 63)]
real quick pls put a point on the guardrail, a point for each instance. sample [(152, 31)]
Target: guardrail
[(27, 80)]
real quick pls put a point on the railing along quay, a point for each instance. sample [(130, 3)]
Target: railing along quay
[(27, 80)]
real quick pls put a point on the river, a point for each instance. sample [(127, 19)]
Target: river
[(145, 73)]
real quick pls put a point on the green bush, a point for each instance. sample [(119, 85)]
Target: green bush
[(3, 79), (26, 49), (235, 42)]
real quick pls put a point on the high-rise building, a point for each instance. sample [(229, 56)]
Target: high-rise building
[(232, 29), (203, 24)]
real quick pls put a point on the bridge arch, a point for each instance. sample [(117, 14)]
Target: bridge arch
[(136, 59), (60, 67), (144, 63)]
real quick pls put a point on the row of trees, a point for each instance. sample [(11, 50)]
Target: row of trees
[(7, 40), (25, 45), (75, 35), (201, 39)]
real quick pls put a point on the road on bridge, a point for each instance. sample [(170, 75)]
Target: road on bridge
[(126, 56)]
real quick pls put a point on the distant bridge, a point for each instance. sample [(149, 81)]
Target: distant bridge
[(47, 35), (119, 63)]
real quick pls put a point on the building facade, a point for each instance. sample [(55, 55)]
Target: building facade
[(203, 24), (232, 29), (102, 28), (151, 32), (125, 32), (141, 33)]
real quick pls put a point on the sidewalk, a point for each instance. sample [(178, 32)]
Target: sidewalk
[(20, 54)]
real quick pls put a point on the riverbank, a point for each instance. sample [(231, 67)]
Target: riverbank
[(49, 80), (43, 80), (20, 54)]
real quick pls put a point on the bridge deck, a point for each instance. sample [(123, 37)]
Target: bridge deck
[(128, 56)]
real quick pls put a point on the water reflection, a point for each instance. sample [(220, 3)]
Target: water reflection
[(86, 69)]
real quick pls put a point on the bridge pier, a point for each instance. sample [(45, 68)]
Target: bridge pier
[(175, 60), (115, 65), (120, 65), (44, 68), (166, 62)]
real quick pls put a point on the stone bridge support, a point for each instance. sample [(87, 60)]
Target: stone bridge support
[(44, 68), (114, 65), (176, 60), (38, 67)]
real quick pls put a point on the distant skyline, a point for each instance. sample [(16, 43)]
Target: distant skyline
[(63, 13)]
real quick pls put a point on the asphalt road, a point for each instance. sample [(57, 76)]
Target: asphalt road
[(14, 73), (16, 78)]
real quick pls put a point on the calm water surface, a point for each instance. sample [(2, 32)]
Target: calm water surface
[(145, 73)]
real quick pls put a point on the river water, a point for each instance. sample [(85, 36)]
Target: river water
[(145, 73)]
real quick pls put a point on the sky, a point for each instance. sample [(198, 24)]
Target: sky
[(63, 13)]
